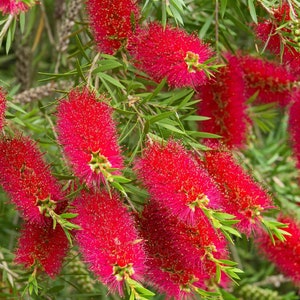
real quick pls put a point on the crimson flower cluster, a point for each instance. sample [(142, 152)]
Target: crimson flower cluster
[(108, 239), (28, 181), (176, 224), (294, 121), (272, 31), (242, 196), (2, 108), (180, 247), (277, 33), (170, 53), (42, 245), (285, 255), (88, 135), (13, 7), (180, 256), (112, 22), (175, 179), (272, 81), (224, 101)]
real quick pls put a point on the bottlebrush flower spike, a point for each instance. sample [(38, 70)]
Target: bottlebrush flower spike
[(285, 255), (175, 180), (112, 22), (273, 81), (275, 35), (294, 125), (223, 100), (42, 246), (88, 135), (27, 179), (13, 7), (170, 53), (242, 196), (108, 240), (180, 256), (2, 108)]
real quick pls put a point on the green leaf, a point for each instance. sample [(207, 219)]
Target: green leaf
[(107, 65), (206, 294), (22, 19), (218, 273), (55, 289), (136, 288), (171, 128), (223, 6), (120, 179), (154, 93), (226, 295), (161, 116), (163, 14), (118, 186), (113, 81), (200, 134), (195, 118), (223, 216), (10, 35), (274, 228), (228, 262), (253, 97), (252, 10), (79, 70), (32, 284), (175, 10), (81, 48), (206, 26), (68, 215), (231, 231)]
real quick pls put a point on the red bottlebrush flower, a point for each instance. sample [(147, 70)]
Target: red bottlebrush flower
[(27, 179), (112, 22), (272, 33), (170, 53), (43, 246), (223, 100), (2, 108), (266, 32), (175, 180), (294, 125), (282, 13), (13, 7), (180, 256), (285, 255), (88, 135), (108, 240), (273, 81), (242, 196)]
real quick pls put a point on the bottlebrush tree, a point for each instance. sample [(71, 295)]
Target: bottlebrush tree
[(149, 149)]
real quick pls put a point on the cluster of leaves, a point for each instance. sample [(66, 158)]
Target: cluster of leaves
[(145, 110)]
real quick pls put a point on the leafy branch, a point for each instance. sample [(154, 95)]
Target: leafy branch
[(274, 228), (32, 285), (223, 222), (137, 291)]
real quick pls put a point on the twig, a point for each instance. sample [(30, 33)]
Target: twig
[(275, 280), (89, 79), (47, 25), (217, 25)]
